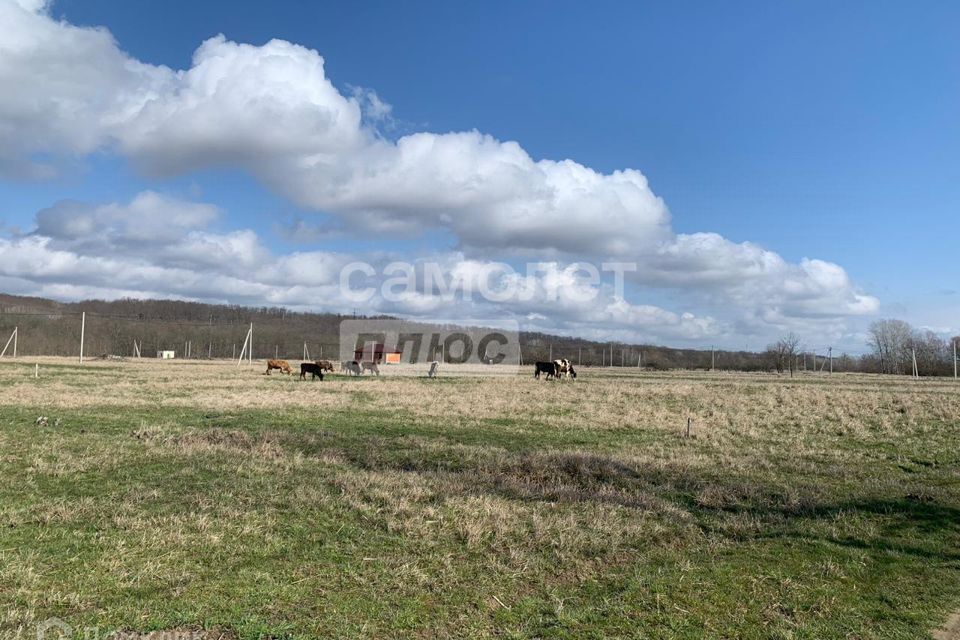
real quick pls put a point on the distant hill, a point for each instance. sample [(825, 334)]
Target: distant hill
[(48, 327)]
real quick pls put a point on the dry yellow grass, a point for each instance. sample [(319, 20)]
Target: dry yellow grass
[(478, 504)]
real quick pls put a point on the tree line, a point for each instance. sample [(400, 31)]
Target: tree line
[(894, 344), (47, 327)]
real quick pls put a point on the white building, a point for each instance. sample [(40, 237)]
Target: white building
[(166, 355)]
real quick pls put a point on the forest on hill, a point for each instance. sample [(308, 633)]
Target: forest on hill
[(202, 330)]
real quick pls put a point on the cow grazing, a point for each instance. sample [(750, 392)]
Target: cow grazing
[(371, 367), (434, 369), (565, 368), (549, 368), (325, 365), (281, 365), (351, 367), (312, 368)]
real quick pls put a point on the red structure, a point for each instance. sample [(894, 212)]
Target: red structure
[(377, 352)]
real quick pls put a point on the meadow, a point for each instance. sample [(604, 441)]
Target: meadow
[(201, 496)]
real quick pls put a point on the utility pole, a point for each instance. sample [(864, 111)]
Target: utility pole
[(16, 333), (83, 325), (831, 360), (954, 359), (713, 358)]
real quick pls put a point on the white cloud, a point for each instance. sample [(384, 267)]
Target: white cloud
[(96, 254), (749, 275), (149, 218), (273, 111)]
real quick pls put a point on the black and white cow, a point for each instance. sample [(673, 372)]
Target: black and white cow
[(565, 368)]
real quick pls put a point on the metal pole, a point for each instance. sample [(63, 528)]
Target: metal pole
[(16, 332), (83, 326), (250, 352)]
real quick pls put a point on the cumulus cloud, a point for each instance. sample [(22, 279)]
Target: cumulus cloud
[(82, 250), (149, 218), (747, 274), (273, 111)]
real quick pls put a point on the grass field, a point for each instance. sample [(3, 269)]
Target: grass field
[(176, 495)]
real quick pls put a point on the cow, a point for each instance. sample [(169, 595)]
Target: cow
[(325, 365), (351, 367), (312, 368), (371, 367), (549, 368), (281, 365), (565, 367), (434, 369)]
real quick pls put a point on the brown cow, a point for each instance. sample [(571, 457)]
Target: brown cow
[(281, 365), (325, 365)]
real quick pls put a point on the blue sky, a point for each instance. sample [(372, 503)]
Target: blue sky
[(814, 130)]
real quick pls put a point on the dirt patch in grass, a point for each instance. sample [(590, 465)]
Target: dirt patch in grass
[(950, 630)]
